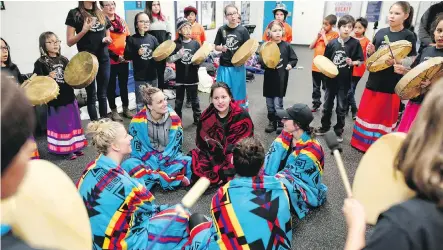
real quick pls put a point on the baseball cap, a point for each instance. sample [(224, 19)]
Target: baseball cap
[(299, 113)]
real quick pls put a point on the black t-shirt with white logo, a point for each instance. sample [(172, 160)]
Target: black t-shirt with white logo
[(386, 80), (337, 54), (233, 38), (426, 54), (92, 40), (145, 67), (45, 65), (186, 72)]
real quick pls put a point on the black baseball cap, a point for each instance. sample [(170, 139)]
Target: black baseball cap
[(299, 113)]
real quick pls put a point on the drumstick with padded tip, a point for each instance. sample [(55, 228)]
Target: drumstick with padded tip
[(389, 46), (29, 80), (334, 146), (375, 29), (187, 202)]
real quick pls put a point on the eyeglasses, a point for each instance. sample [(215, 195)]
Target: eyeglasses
[(231, 14), (143, 21), (54, 43)]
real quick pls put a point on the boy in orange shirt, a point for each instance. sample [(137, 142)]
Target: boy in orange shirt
[(359, 33), (280, 14), (325, 35)]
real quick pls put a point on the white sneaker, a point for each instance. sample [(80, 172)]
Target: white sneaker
[(170, 94)]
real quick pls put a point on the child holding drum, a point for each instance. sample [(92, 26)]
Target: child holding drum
[(275, 80), (139, 49), (64, 127), (345, 52), (186, 72)]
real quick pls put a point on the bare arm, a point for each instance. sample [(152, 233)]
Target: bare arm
[(313, 44), (71, 37)]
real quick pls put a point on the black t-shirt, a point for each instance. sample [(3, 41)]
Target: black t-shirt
[(414, 224), (386, 80), (186, 72), (145, 67), (92, 40), (233, 38), (44, 65), (12, 72), (337, 54), (426, 54)]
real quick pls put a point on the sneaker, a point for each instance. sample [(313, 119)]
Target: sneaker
[(271, 127), (315, 108), (115, 116), (170, 94), (127, 113), (339, 138), (321, 131), (354, 115)]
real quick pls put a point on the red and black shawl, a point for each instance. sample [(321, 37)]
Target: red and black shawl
[(215, 142)]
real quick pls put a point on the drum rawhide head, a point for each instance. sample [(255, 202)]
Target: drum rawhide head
[(377, 185), (326, 66), (41, 89), (409, 85), (377, 61), (270, 54), (47, 212), (164, 50), (81, 70), (202, 53), (244, 52)]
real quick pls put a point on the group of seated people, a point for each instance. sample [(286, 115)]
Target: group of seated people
[(252, 210), (257, 189)]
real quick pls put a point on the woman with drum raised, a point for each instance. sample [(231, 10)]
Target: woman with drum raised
[(222, 125), (378, 111), (418, 222), (230, 37), (160, 30), (119, 31), (414, 104), (122, 212), (65, 132), (156, 149), (11, 71), (139, 49), (186, 72), (297, 159), (275, 80), (88, 27)]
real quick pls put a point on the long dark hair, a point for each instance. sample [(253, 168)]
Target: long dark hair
[(8, 61), (148, 11), (408, 9), (98, 13)]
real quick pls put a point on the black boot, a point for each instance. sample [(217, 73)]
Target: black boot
[(272, 126)]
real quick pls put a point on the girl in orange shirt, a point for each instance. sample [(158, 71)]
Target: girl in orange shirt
[(359, 33)]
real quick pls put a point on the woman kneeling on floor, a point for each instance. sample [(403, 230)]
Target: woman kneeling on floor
[(122, 212), (297, 159), (156, 148)]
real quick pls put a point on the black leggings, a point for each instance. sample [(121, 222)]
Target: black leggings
[(121, 71), (100, 91)]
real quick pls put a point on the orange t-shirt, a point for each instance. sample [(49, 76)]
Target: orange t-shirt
[(320, 46), (287, 37), (360, 70), (197, 33), (118, 42)]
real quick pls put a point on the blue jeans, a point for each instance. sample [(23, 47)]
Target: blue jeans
[(273, 104), (138, 98), (351, 94), (100, 91)]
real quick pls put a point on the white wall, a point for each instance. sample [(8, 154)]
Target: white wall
[(36, 17), (40, 16)]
